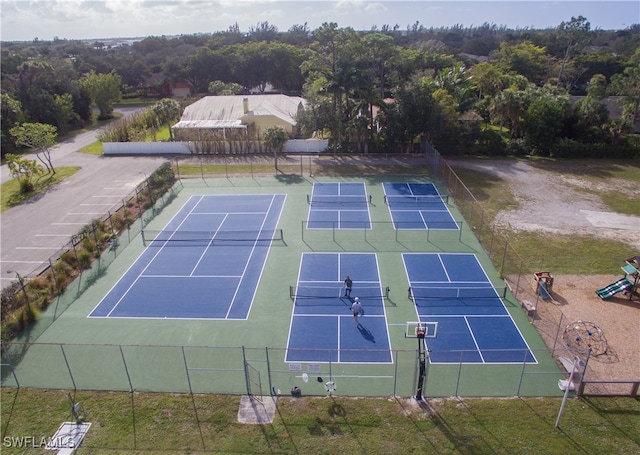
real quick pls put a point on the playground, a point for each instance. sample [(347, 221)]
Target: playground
[(575, 299)]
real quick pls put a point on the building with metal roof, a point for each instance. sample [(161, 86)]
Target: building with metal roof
[(232, 116)]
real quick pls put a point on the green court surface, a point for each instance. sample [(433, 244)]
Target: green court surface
[(237, 356)]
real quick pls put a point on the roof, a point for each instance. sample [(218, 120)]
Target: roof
[(228, 111)]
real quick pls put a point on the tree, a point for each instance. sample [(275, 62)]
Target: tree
[(167, 111), (542, 123), (64, 111), (10, 113), (23, 170), (627, 85), (574, 35), (274, 138), (39, 136), (523, 58), (104, 90)]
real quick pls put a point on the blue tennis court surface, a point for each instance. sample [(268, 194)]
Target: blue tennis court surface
[(338, 205), (322, 326), (474, 326), (418, 206), (205, 264)]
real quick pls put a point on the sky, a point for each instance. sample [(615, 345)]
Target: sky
[(25, 20)]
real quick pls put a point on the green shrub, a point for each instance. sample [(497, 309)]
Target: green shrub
[(84, 259), (568, 148)]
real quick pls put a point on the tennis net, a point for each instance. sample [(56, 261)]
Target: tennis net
[(417, 293), (359, 200), (318, 294), (161, 237), (419, 201)]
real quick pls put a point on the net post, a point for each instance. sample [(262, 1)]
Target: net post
[(409, 296), (370, 199), (292, 292), (144, 241), (308, 199), (386, 292), (386, 201)]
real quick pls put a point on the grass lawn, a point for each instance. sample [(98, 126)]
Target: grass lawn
[(139, 423), (10, 191)]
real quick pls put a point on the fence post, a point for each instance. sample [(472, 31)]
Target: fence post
[(246, 373), (504, 255), (555, 341), (395, 374), (266, 350), (186, 369), (459, 373), (66, 362), (126, 370)]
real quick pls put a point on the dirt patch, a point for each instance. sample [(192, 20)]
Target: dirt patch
[(553, 202)]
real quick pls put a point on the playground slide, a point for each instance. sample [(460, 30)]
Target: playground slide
[(623, 284)]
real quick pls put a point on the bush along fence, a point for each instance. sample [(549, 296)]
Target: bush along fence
[(87, 252)]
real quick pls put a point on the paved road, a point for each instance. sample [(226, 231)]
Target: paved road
[(33, 231)]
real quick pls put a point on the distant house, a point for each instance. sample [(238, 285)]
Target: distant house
[(180, 89), (222, 117), (160, 86), (614, 105)]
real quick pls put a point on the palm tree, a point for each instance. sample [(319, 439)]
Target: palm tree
[(168, 111)]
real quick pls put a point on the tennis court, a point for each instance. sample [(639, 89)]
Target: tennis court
[(205, 264), (322, 326), (338, 205), (417, 206), (208, 297), (474, 326)]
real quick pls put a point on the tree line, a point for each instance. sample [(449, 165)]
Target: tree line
[(485, 89)]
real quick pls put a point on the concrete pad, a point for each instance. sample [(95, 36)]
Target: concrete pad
[(256, 412), (612, 220), (68, 437)]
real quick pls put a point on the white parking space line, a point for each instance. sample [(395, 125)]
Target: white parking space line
[(106, 195), (85, 213), (93, 205), (22, 262)]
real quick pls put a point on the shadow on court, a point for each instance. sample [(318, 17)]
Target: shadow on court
[(366, 334)]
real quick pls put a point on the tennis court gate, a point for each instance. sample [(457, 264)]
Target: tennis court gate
[(252, 375)]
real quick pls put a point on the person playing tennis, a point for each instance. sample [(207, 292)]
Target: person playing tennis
[(348, 285), (356, 309)]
